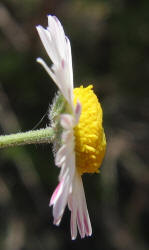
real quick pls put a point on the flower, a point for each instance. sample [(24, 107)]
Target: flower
[(82, 139)]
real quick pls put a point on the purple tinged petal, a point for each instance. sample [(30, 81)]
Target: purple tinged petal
[(60, 204), (67, 121), (78, 203), (56, 193), (80, 223), (78, 109), (87, 225)]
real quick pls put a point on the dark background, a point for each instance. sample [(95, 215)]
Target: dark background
[(110, 49)]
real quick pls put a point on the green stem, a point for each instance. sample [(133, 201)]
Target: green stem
[(31, 137)]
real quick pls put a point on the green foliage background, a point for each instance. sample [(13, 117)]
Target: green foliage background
[(110, 48)]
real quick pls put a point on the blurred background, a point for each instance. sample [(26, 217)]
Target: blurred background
[(110, 49)]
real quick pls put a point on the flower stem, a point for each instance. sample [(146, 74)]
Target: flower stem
[(30, 137)]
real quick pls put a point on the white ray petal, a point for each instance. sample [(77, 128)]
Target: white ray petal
[(57, 34), (65, 157), (60, 156), (69, 56), (60, 204), (67, 121), (57, 79), (68, 166), (62, 199), (48, 44), (79, 211), (66, 136), (58, 48), (73, 224)]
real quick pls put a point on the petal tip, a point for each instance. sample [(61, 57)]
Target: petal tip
[(57, 222)]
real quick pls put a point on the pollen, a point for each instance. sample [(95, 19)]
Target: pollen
[(90, 141)]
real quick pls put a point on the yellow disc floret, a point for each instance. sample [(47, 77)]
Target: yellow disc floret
[(90, 142)]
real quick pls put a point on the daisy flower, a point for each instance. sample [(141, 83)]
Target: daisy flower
[(76, 117)]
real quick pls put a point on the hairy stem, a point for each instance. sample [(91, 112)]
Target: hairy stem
[(30, 137)]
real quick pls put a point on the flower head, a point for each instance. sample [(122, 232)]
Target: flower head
[(81, 141)]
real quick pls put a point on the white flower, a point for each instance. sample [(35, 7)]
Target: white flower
[(70, 188)]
